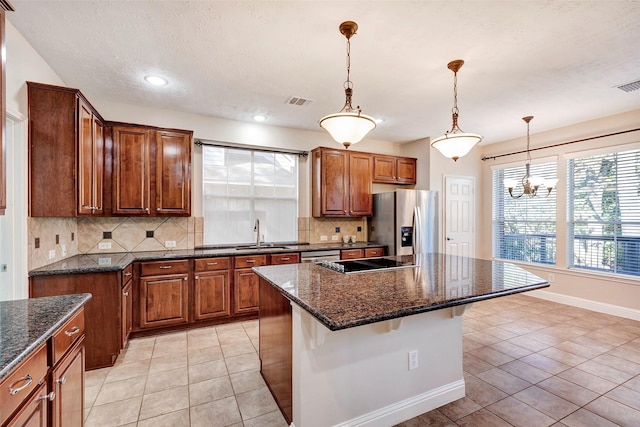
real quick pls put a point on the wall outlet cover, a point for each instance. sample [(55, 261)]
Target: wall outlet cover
[(104, 245), (169, 243), (323, 238), (335, 237), (104, 261), (413, 359), (52, 254)]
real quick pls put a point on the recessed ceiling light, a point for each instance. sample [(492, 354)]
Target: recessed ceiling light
[(156, 80), (259, 118), (378, 121)]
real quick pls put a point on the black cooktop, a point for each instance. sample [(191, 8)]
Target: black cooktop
[(368, 264)]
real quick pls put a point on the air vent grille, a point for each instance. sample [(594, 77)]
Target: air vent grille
[(296, 100), (630, 87)]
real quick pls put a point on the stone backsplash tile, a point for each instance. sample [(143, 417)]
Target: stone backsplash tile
[(319, 227), (46, 230)]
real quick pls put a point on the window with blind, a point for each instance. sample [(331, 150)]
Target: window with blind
[(524, 229), (604, 212), (240, 186)]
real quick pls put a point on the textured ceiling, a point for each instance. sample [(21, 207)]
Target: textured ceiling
[(557, 60)]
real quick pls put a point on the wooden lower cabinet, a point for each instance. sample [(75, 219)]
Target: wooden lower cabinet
[(34, 412), (246, 291), (212, 295), (164, 300), (127, 312), (67, 381)]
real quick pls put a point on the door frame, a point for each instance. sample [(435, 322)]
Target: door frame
[(443, 234)]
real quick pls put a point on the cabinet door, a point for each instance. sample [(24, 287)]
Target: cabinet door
[(406, 171), (334, 183), (127, 312), (245, 291), (163, 300), (212, 295), (384, 169), (173, 173), (360, 191), (98, 166), (68, 386), (85, 159), (34, 411), (131, 184)]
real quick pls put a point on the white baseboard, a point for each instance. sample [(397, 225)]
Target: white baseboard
[(601, 307), (409, 408)]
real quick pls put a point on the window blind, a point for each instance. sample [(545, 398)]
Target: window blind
[(604, 212), (524, 229), (240, 186)]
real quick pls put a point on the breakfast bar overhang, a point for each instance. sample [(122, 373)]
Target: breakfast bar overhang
[(373, 348)]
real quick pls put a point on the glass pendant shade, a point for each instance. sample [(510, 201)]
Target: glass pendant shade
[(456, 145), (348, 128)]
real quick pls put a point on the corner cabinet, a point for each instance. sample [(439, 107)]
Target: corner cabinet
[(341, 183), (151, 171), (394, 170), (66, 153)]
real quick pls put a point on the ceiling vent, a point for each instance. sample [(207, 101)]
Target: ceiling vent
[(630, 87), (296, 100)]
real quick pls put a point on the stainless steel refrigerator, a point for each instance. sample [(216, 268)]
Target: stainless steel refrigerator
[(406, 221)]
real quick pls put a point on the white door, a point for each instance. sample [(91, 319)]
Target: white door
[(459, 202)]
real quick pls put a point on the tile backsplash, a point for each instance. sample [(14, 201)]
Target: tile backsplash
[(318, 228), (45, 230)]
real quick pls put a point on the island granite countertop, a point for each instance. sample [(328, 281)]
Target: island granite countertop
[(341, 301), (97, 263), (27, 323)]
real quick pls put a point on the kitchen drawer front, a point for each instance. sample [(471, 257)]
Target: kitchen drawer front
[(352, 254), (67, 335), (164, 267), (250, 261), (211, 264), (292, 258), (373, 252), (127, 274), (15, 388)]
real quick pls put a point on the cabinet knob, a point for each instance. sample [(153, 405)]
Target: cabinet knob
[(126, 294), (158, 209), (185, 278), (197, 277), (61, 380), (146, 209), (285, 259), (249, 261), (48, 397)]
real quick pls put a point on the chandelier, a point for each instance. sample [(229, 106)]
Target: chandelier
[(530, 184), (455, 143), (348, 126)]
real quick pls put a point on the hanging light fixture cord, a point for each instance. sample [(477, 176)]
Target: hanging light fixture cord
[(348, 84)]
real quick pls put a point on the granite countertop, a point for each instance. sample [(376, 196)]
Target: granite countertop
[(27, 323), (341, 301), (97, 263)]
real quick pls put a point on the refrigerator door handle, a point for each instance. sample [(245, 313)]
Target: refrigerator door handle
[(417, 230)]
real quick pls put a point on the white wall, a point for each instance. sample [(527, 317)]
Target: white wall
[(602, 292)]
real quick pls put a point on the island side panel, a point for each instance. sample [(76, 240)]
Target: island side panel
[(276, 346)]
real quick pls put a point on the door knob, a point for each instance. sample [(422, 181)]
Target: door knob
[(449, 238)]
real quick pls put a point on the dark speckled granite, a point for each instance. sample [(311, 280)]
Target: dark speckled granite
[(341, 301), (25, 324), (96, 263)]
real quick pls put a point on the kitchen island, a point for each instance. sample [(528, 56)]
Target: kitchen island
[(373, 348)]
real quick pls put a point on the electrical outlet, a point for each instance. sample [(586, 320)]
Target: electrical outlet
[(335, 237), (323, 238), (52, 254), (102, 261), (169, 243), (413, 360), (552, 277), (63, 249), (104, 245)]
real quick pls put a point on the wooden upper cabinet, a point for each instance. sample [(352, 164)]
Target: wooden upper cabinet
[(394, 170), (151, 171), (173, 173), (341, 183), (131, 163), (66, 153)]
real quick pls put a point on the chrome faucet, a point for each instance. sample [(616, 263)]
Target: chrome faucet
[(256, 228)]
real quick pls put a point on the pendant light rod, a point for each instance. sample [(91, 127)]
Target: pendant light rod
[(484, 158)]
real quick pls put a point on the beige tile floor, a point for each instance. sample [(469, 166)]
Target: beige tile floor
[(528, 362)]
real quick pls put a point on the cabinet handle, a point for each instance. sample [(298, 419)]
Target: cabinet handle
[(128, 274), (197, 277), (212, 263), (158, 209), (49, 397), (87, 207), (146, 209), (285, 259), (72, 332), (126, 294), (61, 380), (164, 267), (249, 261), (13, 391)]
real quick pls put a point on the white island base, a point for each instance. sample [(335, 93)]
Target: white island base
[(360, 376)]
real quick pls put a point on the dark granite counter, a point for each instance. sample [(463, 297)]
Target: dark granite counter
[(341, 301), (96, 263), (25, 324)]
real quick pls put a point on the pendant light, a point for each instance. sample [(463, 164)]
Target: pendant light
[(348, 126), (455, 143), (530, 184)]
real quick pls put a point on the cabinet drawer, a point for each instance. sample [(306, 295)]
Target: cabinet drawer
[(210, 264), (127, 274), (164, 267), (352, 254), (67, 335), (373, 252), (250, 261), (24, 379), (293, 258)]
